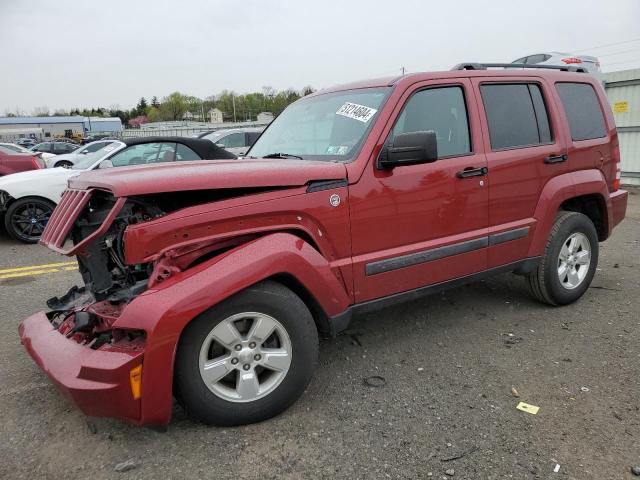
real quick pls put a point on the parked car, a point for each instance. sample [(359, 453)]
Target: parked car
[(235, 140), (54, 147), (589, 63), (10, 148), (28, 192), (67, 160), (92, 137), (211, 281), (13, 162), (26, 142)]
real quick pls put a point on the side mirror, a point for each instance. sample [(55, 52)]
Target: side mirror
[(106, 164), (409, 149)]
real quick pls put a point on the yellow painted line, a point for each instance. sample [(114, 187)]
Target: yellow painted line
[(36, 267), (28, 273), (71, 268)]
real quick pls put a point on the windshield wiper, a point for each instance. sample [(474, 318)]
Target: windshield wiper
[(282, 155)]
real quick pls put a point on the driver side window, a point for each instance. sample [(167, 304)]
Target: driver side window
[(139, 154), (235, 140), (441, 110)]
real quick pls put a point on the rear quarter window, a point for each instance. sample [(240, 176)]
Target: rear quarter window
[(586, 120)]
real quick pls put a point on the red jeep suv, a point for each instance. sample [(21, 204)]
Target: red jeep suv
[(210, 281)]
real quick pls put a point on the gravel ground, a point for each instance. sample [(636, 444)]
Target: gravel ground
[(449, 362)]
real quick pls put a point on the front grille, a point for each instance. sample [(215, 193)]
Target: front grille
[(65, 214)]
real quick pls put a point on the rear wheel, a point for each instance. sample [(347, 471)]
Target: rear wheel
[(248, 358), (26, 218), (64, 164), (569, 261)]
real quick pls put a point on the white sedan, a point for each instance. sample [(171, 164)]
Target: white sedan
[(28, 198), (67, 160)]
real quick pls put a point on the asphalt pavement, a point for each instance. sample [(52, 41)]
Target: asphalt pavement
[(450, 367)]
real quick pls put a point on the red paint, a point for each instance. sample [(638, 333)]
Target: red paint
[(285, 230), (212, 174), (19, 162)]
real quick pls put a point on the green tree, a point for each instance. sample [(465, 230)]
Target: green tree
[(153, 114), (173, 106), (141, 108)]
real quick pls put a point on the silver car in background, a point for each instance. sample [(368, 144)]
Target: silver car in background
[(589, 63), (234, 140)]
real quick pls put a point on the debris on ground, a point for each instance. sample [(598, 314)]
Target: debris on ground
[(514, 392), (636, 471), (456, 456), (451, 472), (556, 469), (525, 407), (584, 389), (92, 427), (375, 381), (355, 340), (126, 466)]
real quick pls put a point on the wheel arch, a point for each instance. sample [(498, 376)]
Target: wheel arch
[(594, 206), (165, 312), (584, 191)]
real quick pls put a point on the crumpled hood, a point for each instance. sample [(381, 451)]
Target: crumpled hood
[(208, 174)]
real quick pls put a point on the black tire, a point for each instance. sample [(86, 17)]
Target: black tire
[(19, 218), (269, 298), (544, 283), (64, 164)]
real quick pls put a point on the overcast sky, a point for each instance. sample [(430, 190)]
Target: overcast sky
[(66, 54)]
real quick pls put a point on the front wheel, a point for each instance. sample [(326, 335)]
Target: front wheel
[(569, 261), (248, 358), (64, 164), (26, 218)]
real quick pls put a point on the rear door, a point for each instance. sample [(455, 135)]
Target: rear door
[(525, 148), (418, 225)]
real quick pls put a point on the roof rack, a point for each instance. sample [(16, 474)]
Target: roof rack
[(485, 66)]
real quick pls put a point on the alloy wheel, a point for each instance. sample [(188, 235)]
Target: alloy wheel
[(245, 357), (574, 260)]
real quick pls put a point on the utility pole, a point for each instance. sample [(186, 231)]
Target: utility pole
[(233, 100)]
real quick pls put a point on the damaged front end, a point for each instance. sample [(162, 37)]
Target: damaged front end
[(87, 313)]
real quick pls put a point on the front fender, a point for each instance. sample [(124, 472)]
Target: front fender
[(555, 192), (163, 312)]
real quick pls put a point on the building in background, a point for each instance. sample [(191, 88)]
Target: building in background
[(623, 92), (103, 124), (62, 126), (265, 117), (215, 116)]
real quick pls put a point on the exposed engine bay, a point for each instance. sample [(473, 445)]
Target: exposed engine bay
[(87, 313), (101, 263)]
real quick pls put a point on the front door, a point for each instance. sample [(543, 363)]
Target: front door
[(423, 224)]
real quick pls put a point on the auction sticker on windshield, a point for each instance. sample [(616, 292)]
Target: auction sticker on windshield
[(361, 113)]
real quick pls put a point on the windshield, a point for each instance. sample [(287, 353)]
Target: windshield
[(328, 127), (87, 160)]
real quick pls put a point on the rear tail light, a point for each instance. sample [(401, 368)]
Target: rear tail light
[(616, 163), (570, 60), (38, 162)]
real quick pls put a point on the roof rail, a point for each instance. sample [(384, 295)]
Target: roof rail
[(484, 66)]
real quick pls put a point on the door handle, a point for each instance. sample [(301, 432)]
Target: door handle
[(472, 172), (556, 158)]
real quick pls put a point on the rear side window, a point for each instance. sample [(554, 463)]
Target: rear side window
[(516, 115), (583, 110)]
